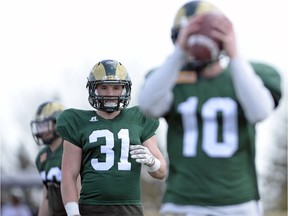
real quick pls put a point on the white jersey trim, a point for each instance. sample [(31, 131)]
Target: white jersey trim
[(251, 208)]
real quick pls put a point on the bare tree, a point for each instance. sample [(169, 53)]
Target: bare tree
[(273, 177)]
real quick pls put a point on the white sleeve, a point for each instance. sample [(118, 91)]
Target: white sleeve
[(254, 97), (155, 98)]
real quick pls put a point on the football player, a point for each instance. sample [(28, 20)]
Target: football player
[(211, 110), (48, 160), (107, 146)]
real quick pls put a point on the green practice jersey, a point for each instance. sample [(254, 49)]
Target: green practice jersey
[(211, 145), (49, 166), (108, 173)]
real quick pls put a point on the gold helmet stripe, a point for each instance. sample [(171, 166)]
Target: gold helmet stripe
[(205, 7), (48, 110), (109, 70), (121, 72), (99, 71), (190, 9)]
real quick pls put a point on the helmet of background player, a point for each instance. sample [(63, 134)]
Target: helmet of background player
[(187, 10), (109, 72), (44, 123)]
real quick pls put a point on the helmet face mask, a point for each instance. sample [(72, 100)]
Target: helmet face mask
[(43, 131), (109, 72), (44, 123)]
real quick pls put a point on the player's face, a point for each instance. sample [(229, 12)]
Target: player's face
[(45, 129), (109, 90)]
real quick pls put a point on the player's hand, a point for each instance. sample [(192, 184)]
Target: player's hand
[(224, 31), (188, 29), (144, 156)]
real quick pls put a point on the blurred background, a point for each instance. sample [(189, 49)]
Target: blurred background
[(49, 47)]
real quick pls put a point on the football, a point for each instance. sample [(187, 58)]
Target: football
[(202, 46)]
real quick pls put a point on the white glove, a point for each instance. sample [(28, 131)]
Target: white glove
[(72, 209), (144, 156)]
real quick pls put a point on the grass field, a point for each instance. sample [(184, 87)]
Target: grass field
[(277, 213)]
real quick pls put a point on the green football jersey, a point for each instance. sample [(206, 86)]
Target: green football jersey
[(48, 164), (108, 173), (211, 145)]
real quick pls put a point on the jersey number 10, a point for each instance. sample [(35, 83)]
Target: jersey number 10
[(210, 144)]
